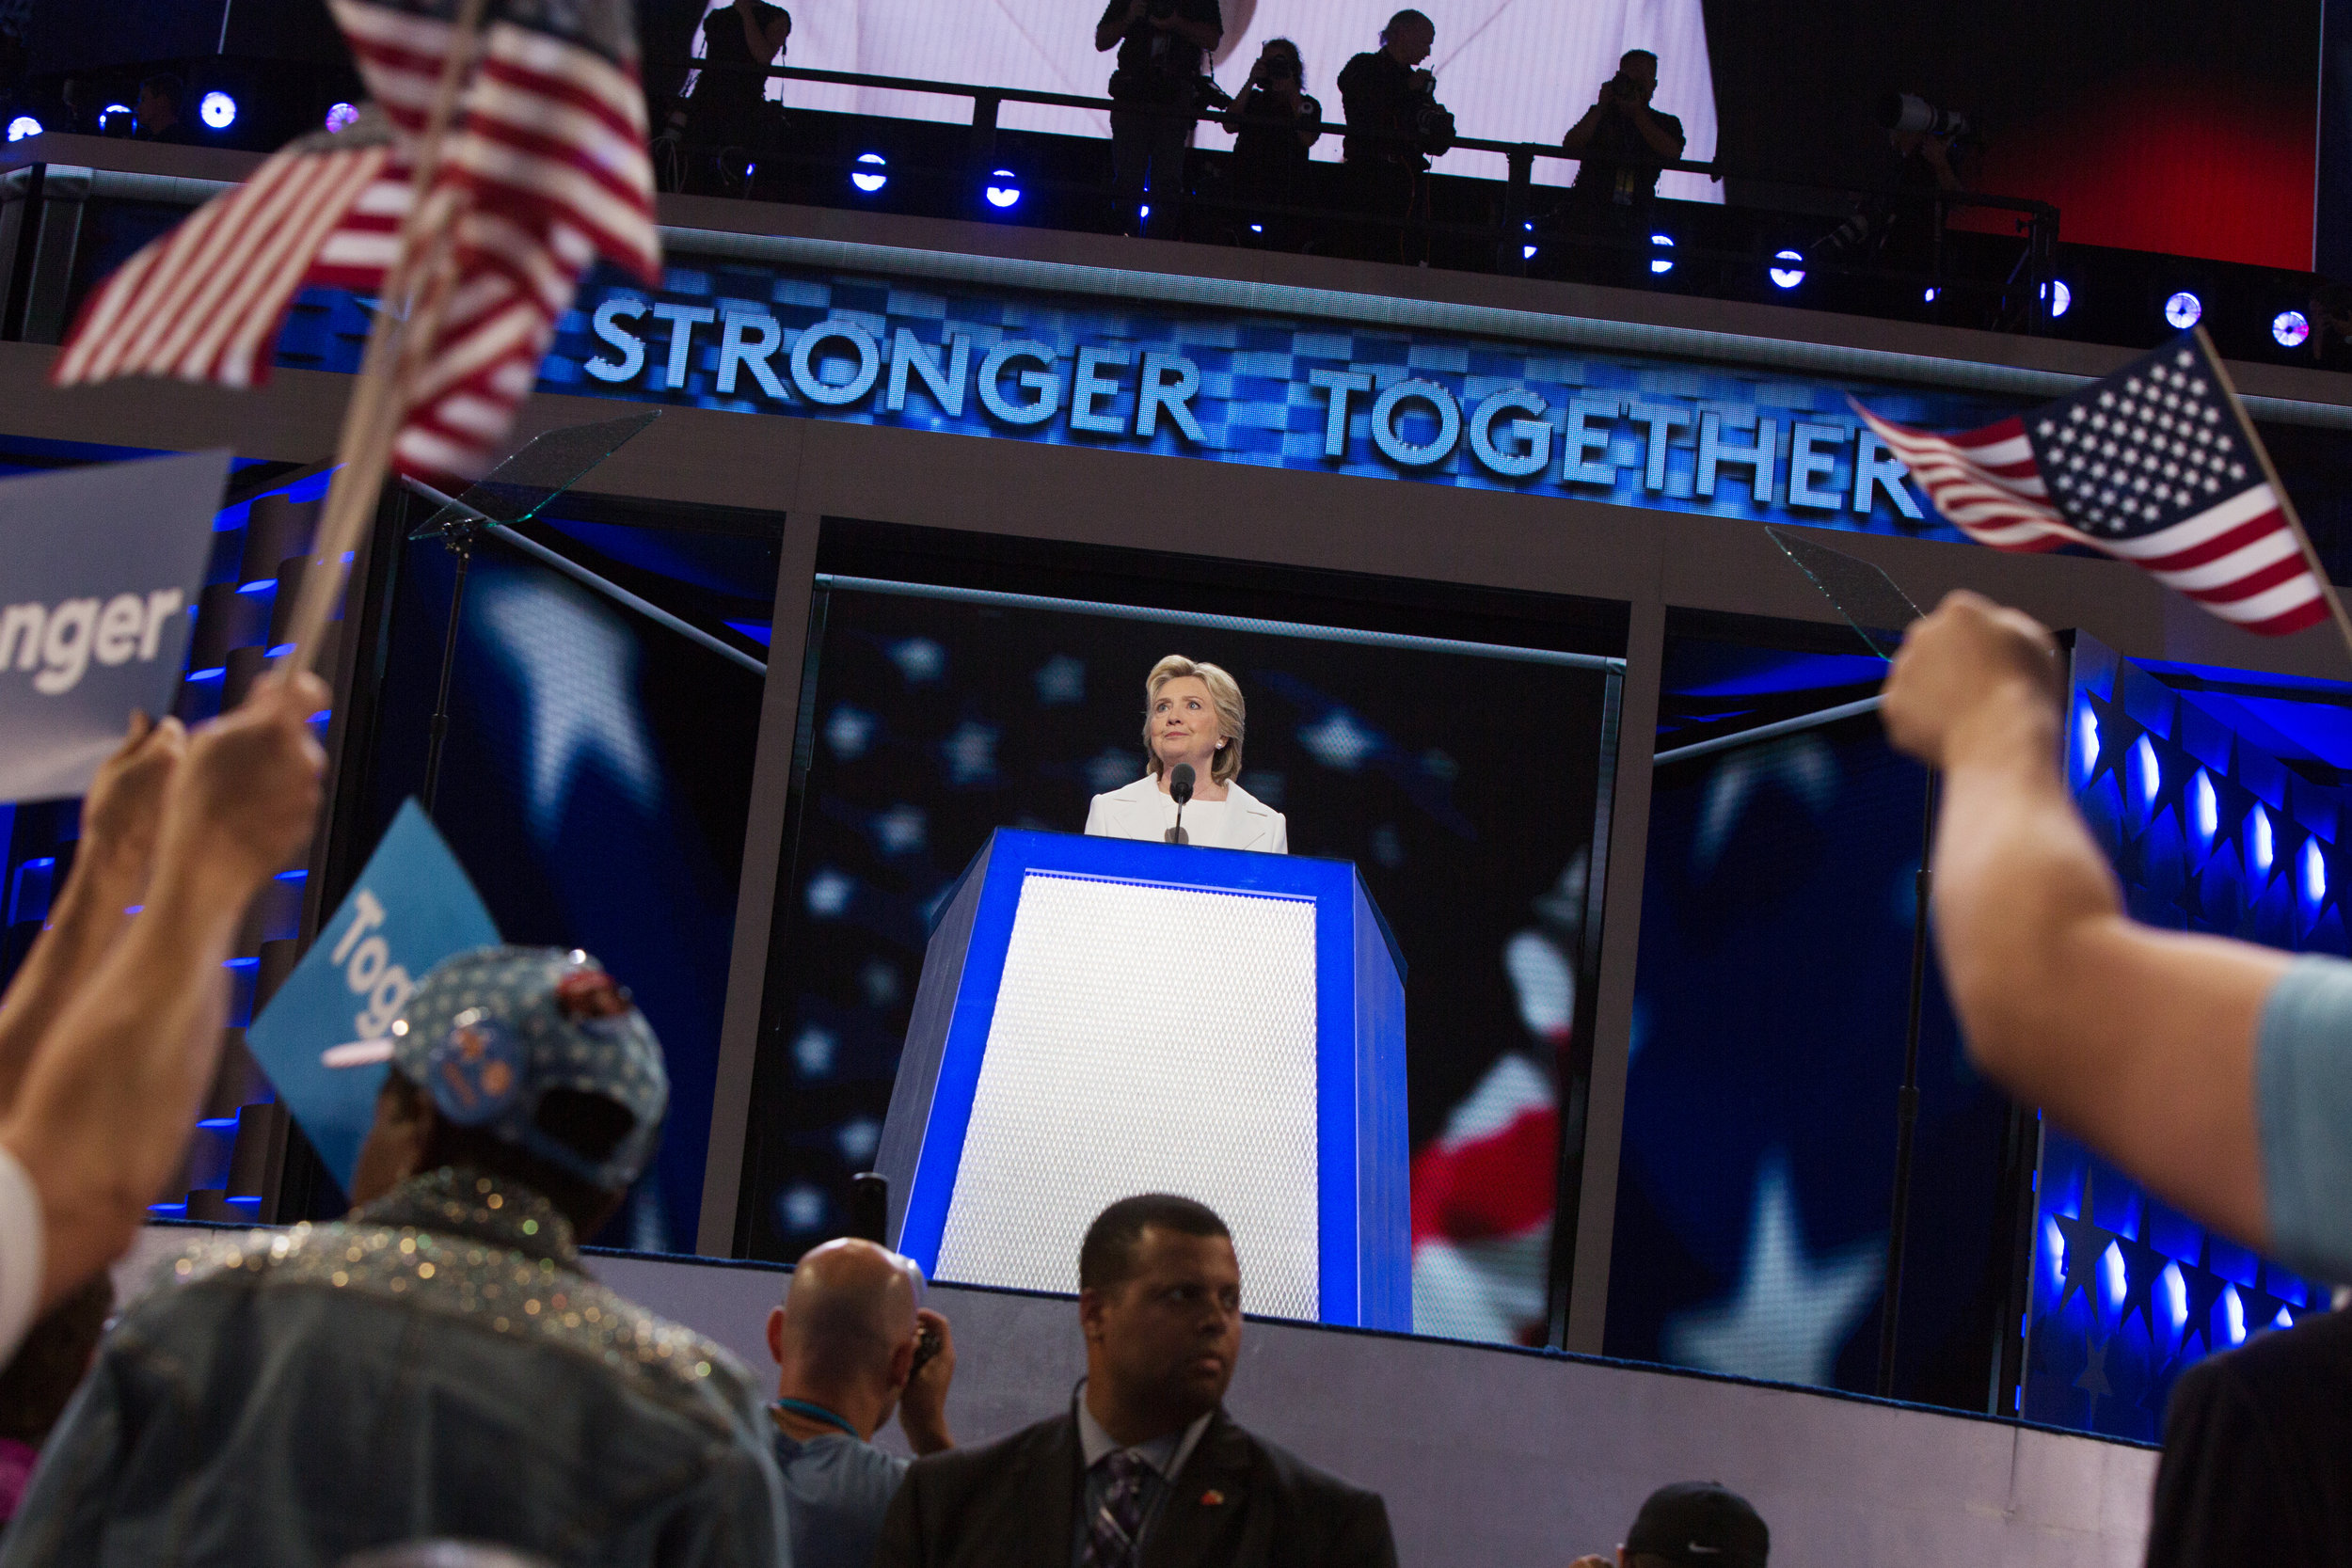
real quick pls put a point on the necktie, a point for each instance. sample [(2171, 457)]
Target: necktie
[(1111, 1534)]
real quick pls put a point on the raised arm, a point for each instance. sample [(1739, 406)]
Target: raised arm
[(113, 1087), (2139, 1041), (109, 875)]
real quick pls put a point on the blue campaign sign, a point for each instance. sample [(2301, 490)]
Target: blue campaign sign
[(99, 569), (413, 907)]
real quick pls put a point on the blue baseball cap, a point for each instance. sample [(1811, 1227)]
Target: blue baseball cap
[(491, 1032)]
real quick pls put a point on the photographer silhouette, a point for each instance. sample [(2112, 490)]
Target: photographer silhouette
[(1394, 125), (1623, 144), (1274, 121), (1158, 85)]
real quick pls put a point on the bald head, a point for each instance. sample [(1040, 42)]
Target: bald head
[(850, 1303)]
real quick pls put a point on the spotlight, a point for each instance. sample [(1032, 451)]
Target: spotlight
[(1930, 296), (114, 114), (1786, 278), (2291, 328), (1527, 253), (24, 126), (341, 116), (2061, 299), (872, 173), (2314, 871), (2204, 809), (217, 110), (1257, 228), (1004, 189), (2184, 311), (2258, 843), (1661, 265)]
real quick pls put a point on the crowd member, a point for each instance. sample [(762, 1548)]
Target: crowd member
[(1156, 88), (2254, 1441), (723, 118), (851, 1345), (120, 1056), (2214, 1071), (1275, 121), (1622, 144), (1692, 1523), (1146, 1465), (48, 1366), (157, 114), (1393, 123), (438, 1365)]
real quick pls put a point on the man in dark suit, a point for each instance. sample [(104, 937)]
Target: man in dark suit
[(1146, 1470)]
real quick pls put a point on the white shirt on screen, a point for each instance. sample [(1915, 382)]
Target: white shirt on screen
[(23, 1246), (1143, 810)]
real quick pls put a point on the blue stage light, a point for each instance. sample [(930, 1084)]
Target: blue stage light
[(2111, 1277), (872, 173), (1930, 296), (2291, 328), (2204, 810), (2232, 1315), (2314, 872), (2176, 1296), (1257, 228), (2061, 299), (1786, 278), (2184, 311), (2086, 741), (1004, 189), (24, 126), (2258, 845), (1661, 265), (2147, 774), (108, 115), (341, 116), (217, 110)]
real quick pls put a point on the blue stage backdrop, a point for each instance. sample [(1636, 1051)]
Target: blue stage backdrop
[(597, 781), (2217, 795), (1462, 787), (1759, 1134)]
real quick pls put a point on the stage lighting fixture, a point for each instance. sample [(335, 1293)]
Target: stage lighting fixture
[(2204, 809), (1257, 228), (2258, 843), (1004, 189), (1929, 297), (1526, 252), (1661, 265), (872, 173), (24, 126), (1787, 278), (2291, 328), (2146, 773), (107, 117), (2184, 311), (2314, 872), (2061, 299), (217, 110), (341, 116)]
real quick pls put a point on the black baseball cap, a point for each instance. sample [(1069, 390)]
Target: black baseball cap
[(1699, 1524)]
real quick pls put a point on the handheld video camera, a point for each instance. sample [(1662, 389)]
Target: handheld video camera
[(1433, 123)]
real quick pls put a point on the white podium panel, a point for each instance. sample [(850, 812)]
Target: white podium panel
[(1146, 1039)]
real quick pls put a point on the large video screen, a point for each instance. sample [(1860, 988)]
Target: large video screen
[(1462, 787), (1510, 70)]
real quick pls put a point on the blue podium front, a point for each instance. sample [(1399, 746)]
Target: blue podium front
[(1100, 1017)]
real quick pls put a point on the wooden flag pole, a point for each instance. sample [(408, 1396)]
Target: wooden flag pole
[(2286, 502), (372, 419)]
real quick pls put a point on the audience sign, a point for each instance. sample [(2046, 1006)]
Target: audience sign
[(99, 569), (325, 1038)]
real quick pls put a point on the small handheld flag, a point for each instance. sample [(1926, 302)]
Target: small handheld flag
[(2156, 464)]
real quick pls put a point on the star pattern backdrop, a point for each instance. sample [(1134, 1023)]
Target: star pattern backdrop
[(1759, 1134), (2216, 797), (927, 724)]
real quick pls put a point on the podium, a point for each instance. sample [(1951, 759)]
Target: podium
[(1101, 1017)]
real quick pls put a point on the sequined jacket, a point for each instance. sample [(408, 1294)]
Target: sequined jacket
[(435, 1366)]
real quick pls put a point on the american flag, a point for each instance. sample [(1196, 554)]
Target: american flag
[(543, 171), (2156, 464)]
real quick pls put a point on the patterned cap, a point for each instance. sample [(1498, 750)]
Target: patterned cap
[(491, 1032)]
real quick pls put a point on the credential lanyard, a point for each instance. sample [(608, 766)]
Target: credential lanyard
[(819, 1413)]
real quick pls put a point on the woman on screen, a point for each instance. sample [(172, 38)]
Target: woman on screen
[(1193, 716)]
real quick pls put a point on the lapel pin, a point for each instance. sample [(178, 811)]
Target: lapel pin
[(1211, 1498)]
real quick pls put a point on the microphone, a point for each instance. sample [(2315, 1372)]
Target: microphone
[(1180, 790)]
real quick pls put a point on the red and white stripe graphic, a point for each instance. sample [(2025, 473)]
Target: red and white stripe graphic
[(2241, 558)]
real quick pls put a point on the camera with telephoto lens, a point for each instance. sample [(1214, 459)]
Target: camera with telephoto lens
[(1908, 111), (1627, 87), (1433, 123)]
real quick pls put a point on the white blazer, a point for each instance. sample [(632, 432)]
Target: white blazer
[(1140, 811)]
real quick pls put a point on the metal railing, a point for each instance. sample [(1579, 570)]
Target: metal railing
[(1503, 241)]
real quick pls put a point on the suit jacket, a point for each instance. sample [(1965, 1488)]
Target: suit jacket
[(1133, 810), (1239, 1502)]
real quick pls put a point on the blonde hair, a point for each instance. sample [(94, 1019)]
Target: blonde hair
[(1232, 715)]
